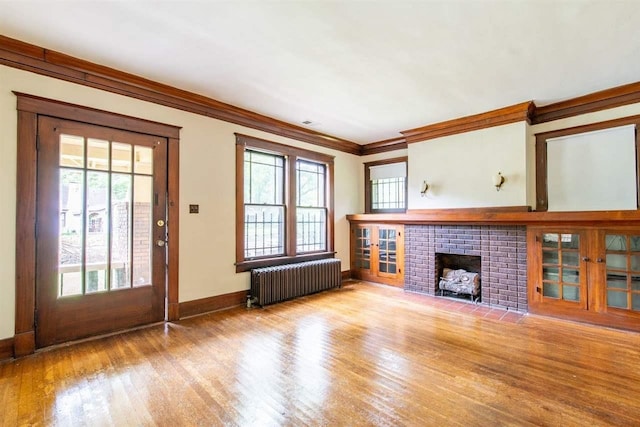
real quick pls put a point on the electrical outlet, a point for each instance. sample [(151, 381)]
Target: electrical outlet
[(194, 209)]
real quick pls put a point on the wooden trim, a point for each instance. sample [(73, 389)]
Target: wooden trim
[(218, 302), (65, 110), (24, 343), (173, 229), (596, 101), (542, 195), (501, 116), (497, 217), (472, 211), (384, 146), (269, 262), (345, 275), (25, 56), (25, 225), (6, 349), (367, 180)]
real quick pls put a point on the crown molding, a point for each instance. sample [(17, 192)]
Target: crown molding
[(501, 116), (17, 54), (384, 146), (597, 101)]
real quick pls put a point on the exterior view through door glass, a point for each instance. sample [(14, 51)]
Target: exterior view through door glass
[(100, 230)]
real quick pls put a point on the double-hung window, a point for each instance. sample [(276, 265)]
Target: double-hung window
[(386, 185), (284, 204)]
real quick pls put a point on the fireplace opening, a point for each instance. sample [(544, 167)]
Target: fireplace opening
[(458, 276)]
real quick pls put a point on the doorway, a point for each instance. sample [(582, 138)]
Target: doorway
[(97, 223)]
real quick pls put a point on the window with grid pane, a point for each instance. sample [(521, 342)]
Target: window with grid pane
[(284, 204), (386, 185), (311, 210), (264, 204)]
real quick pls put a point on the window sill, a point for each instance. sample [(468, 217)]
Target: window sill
[(270, 262)]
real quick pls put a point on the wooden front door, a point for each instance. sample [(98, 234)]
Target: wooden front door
[(100, 230)]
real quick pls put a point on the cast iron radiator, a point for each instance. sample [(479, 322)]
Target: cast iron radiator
[(283, 282)]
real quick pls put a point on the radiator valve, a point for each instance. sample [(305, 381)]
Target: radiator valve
[(251, 301)]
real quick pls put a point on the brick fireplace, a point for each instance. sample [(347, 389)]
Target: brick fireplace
[(503, 259)]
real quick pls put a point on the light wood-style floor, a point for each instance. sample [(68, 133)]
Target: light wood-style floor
[(361, 355)]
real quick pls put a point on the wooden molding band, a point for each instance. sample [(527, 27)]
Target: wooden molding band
[(25, 56), (384, 146), (597, 101), (471, 211), (204, 305), (6, 349), (496, 216), (502, 116)]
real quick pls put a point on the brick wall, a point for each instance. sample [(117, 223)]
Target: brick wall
[(503, 253)]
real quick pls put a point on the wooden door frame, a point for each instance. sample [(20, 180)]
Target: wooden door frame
[(29, 108)]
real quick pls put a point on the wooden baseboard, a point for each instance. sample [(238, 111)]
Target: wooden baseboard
[(6, 348), (346, 275), (24, 343), (204, 305)]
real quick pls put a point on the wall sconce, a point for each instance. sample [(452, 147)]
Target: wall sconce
[(425, 187), (498, 180)]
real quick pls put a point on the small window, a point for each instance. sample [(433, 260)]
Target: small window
[(386, 186)]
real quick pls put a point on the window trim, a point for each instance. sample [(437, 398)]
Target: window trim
[(542, 190), (292, 154), (367, 185)]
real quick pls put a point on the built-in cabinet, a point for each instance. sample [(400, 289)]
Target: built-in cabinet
[(377, 253), (587, 274)]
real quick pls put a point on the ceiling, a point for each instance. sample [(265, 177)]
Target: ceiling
[(358, 70)]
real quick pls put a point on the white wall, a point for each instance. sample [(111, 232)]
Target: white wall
[(207, 178), (459, 169)]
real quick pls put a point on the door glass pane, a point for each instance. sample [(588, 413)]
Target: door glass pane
[(550, 290), (617, 261), (550, 240), (635, 262), (617, 299), (635, 243), (570, 258), (143, 160), (570, 275), (550, 273), (383, 267), (635, 282), (570, 241), (570, 293), (615, 242), (72, 151), (616, 281), (96, 251), (550, 257), (142, 229), (635, 302), (71, 242), (120, 157), (97, 154), (120, 230)]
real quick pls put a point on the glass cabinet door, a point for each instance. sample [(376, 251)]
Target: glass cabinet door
[(362, 248), (387, 250), (563, 269), (623, 272)]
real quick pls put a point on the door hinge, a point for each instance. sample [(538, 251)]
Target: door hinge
[(538, 290), (537, 239)]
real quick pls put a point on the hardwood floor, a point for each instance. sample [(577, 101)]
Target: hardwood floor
[(360, 355)]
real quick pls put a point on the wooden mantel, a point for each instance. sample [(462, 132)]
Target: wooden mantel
[(512, 215)]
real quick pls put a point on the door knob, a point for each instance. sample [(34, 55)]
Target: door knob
[(585, 259), (160, 242)]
